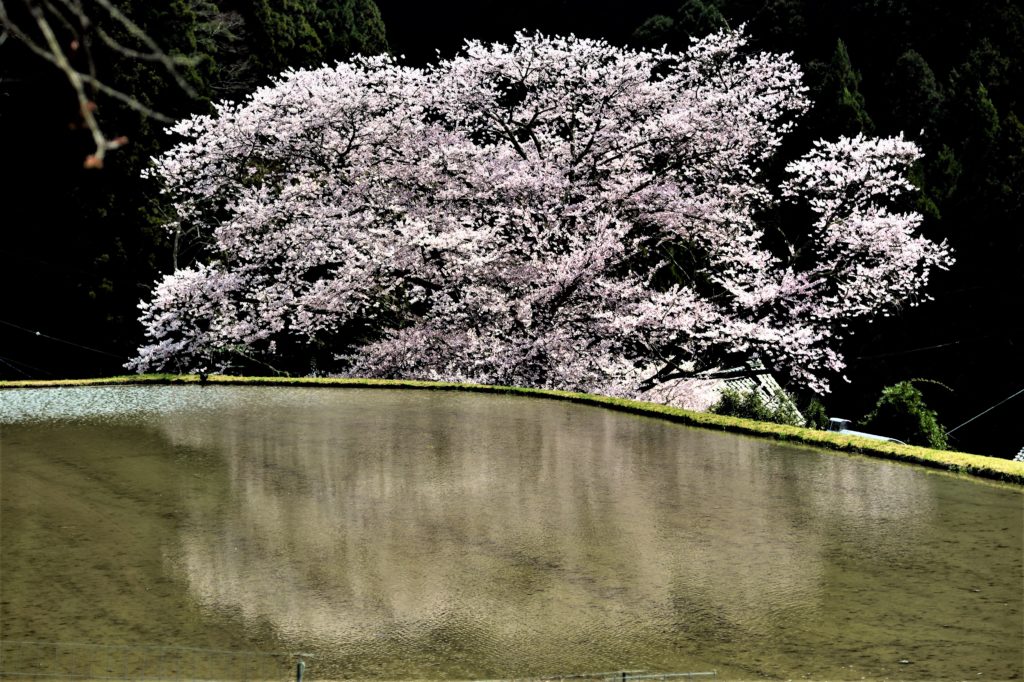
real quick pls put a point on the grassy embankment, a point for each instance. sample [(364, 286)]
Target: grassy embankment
[(975, 465)]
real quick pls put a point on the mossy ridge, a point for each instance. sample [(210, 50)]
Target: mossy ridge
[(959, 462)]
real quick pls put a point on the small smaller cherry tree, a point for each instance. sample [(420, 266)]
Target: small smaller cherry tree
[(557, 212)]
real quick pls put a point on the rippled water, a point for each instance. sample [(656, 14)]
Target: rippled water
[(407, 534)]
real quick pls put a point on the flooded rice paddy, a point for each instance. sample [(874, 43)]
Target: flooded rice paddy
[(415, 534)]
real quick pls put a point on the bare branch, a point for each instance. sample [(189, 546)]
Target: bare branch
[(71, 16), (85, 105), (155, 54), (127, 99), (81, 38)]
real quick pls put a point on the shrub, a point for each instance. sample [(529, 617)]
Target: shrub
[(750, 405), (815, 416), (901, 413)]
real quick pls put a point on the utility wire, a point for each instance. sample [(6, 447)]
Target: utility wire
[(923, 348), (986, 411), (906, 352), (29, 376), (11, 362), (64, 341)]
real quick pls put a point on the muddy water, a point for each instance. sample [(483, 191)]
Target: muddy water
[(402, 534)]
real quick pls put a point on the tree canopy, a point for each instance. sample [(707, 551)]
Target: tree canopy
[(557, 212)]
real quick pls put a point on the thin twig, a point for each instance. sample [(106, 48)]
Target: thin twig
[(156, 53), (127, 99), (69, 13), (85, 105)]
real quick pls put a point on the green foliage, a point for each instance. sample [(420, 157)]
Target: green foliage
[(982, 119), (917, 99), (815, 416), (901, 413), (841, 103), (699, 18), (352, 27), (945, 171), (284, 33), (1011, 171), (924, 202), (750, 405), (693, 19), (656, 31), (296, 33)]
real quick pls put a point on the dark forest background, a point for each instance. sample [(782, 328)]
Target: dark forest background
[(81, 247)]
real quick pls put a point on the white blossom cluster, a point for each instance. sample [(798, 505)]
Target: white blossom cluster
[(557, 212)]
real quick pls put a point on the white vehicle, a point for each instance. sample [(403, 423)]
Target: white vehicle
[(842, 426)]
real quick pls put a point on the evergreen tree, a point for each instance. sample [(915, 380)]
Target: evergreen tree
[(1011, 167), (698, 18), (283, 33), (774, 24), (917, 100), (350, 27), (840, 109), (655, 32), (979, 126), (693, 19)]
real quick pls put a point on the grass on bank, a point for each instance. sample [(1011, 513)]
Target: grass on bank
[(960, 462)]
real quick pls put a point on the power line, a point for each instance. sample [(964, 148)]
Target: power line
[(29, 376), (906, 352), (986, 411), (11, 362), (58, 340), (922, 348)]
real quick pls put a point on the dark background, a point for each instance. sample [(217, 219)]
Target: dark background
[(82, 247)]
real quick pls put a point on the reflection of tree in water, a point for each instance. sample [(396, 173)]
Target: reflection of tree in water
[(502, 525)]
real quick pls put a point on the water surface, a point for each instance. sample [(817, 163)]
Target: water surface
[(408, 534)]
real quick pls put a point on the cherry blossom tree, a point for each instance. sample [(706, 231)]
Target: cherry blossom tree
[(557, 212)]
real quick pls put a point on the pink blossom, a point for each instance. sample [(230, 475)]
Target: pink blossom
[(556, 212)]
